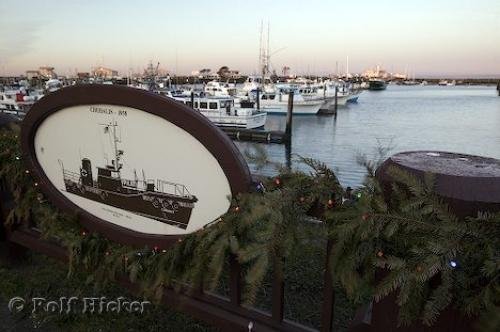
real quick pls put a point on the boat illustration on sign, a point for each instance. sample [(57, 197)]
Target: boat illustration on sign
[(165, 201)]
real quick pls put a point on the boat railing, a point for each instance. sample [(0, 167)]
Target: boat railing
[(172, 188), (70, 175), (130, 183)]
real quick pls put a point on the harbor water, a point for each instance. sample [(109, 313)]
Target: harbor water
[(464, 119)]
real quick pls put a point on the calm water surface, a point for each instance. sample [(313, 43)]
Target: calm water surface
[(457, 119)]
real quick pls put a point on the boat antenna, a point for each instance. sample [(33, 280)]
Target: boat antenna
[(260, 46), (110, 128), (268, 57)]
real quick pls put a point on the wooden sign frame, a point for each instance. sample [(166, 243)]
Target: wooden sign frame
[(212, 138)]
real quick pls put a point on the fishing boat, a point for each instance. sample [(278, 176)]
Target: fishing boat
[(219, 89), (377, 84), (276, 102), (17, 102), (327, 90), (315, 93), (223, 113), (54, 84), (354, 95), (165, 201)]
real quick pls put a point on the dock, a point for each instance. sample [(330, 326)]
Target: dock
[(264, 136), (256, 135)]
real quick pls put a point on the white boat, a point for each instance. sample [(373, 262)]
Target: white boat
[(223, 113), (219, 89), (53, 85), (277, 103), (354, 95), (326, 91), (17, 102), (254, 82)]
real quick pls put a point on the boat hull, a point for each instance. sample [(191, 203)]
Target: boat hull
[(353, 98), (253, 121), (302, 108), (175, 211), (377, 85)]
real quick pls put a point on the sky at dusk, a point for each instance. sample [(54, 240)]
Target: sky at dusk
[(430, 37)]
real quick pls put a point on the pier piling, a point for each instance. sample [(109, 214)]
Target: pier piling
[(258, 99), (289, 117), (336, 105)]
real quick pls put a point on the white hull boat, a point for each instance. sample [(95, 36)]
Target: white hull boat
[(17, 102), (299, 108), (353, 96), (277, 103), (221, 111)]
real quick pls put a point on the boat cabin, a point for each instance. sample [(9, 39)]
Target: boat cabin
[(212, 106)]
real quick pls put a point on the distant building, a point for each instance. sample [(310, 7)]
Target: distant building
[(46, 72), (83, 75), (31, 74), (103, 72), (42, 73)]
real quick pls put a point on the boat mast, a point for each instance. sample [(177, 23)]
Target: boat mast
[(115, 146), (118, 153), (347, 68), (260, 47)]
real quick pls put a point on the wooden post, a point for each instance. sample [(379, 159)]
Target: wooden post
[(278, 291), (258, 99), (328, 293), (192, 99), (336, 99), (234, 281), (498, 88), (289, 117), (288, 153), (10, 253)]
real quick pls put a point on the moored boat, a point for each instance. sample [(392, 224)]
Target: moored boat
[(354, 95), (277, 103), (17, 102), (376, 84), (223, 113)]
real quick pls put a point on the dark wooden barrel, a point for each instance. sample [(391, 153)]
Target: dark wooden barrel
[(467, 183)]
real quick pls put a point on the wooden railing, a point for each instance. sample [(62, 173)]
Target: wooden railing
[(226, 313)]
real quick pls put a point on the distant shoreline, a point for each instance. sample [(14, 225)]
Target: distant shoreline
[(189, 79)]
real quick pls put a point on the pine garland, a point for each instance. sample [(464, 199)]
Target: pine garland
[(431, 258)]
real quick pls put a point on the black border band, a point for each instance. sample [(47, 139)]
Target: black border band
[(212, 138)]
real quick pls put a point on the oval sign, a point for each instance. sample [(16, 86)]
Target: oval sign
[(137, 167)]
